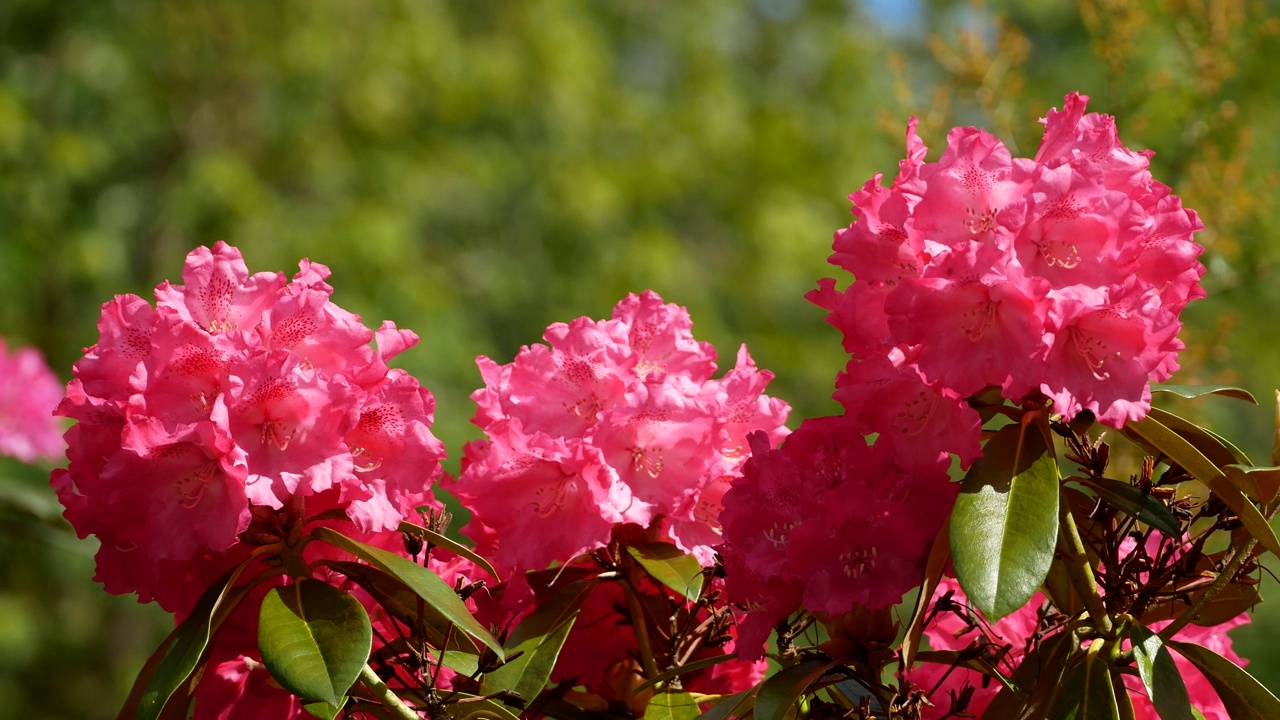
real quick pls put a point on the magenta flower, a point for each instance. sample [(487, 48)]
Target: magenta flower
[(239, 402), (828, 522), (1060, 276), (29, 391), (612, 421)]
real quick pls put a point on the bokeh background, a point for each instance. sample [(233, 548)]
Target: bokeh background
[(475, 170)]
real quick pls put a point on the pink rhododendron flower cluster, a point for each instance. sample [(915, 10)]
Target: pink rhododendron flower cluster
[(612, 421), (949, 631), (826, 522), (29, 391), (238, 403), (1061, 275)]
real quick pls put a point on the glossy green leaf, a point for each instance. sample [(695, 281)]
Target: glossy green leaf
[(324, 710), (1243, 696), (314, 639), (685, 669), (539, 637), (1087, 694), (1193, 461), (1005, 523), (1191, 392), (1215, 447), (1133, 501), (1159, 675), (406, 606), (780, 693), (449, 544), (670, 566), (734, 706), (181, 652), (472, 707), (422, 581), (672, 706)]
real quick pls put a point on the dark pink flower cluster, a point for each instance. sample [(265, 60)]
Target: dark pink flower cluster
[(612, 421), (236, 399), (826, 522), (29, 391), (1061, 276)]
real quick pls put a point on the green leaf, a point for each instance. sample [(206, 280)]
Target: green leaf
[(1005, 522), (779, 693), (1159, 675), (734, 706), (1135, 502), (670, 566), (540, 636), (1193, 461), (1215, 447), (422, 581), (181, 652), (672, 706), (1087, 694), (324, 710), (1192, 392), (1243, 696), (472, 707), (685, 669), (314, 639), (449, 544), (405, 605)]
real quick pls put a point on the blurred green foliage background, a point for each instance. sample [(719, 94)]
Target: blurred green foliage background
[(475, 170)]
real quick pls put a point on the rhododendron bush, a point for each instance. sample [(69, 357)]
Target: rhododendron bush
[(647, 537)]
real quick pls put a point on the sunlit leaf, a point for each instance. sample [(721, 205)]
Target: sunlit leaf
[(672, 706), (1005, 523), (1215, 447), (406, 606), (1133, 501), (452, 546), (779, 693), (324, 710), (539, 637), (471, 707), (422, 581), (1159, 675), (734, 706), (314, 639), (670, 566), (1191, 392), (1193, 461), (1243, 696), (690, 667)]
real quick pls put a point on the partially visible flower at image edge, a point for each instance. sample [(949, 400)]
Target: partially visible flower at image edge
[(29, 391)]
